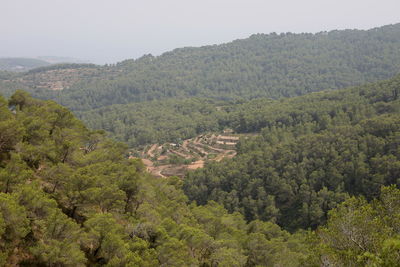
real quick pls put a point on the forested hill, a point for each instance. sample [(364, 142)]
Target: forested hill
[(172, 120), (313, 152), (70, 197), (263, 65)]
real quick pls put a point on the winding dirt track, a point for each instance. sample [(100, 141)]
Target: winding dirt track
[(157, 171), (196, 165), (198, 145), (151, 150)]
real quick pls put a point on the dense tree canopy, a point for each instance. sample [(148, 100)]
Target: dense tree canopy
[(128, 99), (313, 152), (271, 65), (359, 233), (70, 197)]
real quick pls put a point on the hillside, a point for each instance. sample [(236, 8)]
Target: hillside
[(62, 60), (159, 121), (313, 152), (21, 64), (323, 162), (190, 91), (263, 65), (44, 80), (71, 197), (176, 159)]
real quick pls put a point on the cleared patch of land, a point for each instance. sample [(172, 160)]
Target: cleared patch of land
[(57, 79), (175, 159), (64, 76)]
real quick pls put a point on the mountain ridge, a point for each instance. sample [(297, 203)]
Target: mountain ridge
[(272, 65)]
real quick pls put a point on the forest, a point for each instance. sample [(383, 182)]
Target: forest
[(263, 65), (70, 197), (313, 152), (315, 181), (136, 100), (148, 100)]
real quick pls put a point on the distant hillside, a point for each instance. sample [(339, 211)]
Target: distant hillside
[(58, 60), (263, 65), (53, 77), (26, 64), (21, 64)]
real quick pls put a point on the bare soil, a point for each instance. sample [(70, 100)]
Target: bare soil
[(199, 150)]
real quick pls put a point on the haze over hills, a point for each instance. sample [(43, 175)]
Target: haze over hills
[(22, 64), (59, 60)]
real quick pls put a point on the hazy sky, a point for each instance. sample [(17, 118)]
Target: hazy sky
[(112, 30)]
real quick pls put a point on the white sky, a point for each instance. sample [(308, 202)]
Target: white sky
[(113, 30)]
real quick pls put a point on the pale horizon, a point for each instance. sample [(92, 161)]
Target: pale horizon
[(101, 31)]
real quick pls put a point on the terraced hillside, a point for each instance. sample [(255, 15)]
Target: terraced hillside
[(175, 159), (56, 79), (46, 80)]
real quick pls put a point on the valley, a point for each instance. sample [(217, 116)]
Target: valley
[(273, 150)]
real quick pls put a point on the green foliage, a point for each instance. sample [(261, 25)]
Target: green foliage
[(10, 129), (15, 173), (127, 99), (363, 234), (263, 65), (158, 121), (70, 197), (313, 152), (14, 222), (60, 67)]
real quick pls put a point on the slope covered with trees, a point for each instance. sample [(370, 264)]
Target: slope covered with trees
[(360, 233), (134, 99), (160, 121), (263, 65), (314, 152), (70, 197), (272, 65)]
